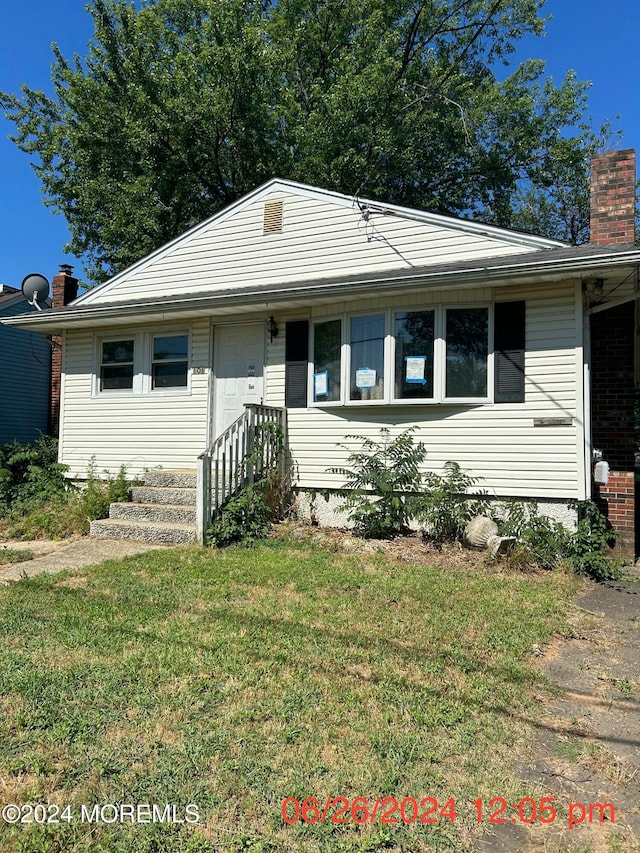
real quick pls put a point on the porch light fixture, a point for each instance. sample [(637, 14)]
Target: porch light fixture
[(595, 287), (272, 328)]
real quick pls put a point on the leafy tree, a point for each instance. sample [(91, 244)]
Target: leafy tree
[(181, 106)]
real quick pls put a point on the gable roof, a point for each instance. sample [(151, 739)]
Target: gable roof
[(324, 227)]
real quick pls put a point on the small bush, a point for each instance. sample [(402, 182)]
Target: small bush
[(249, 516), (446, 509), (30, 475), (381, 482), (57, 515), (545, 543), (588, 546)]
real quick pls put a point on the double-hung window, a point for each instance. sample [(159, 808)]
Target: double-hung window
[(117, 365), (169, 361), (467, 352), (366, 363), (142, 363), (414, 340)]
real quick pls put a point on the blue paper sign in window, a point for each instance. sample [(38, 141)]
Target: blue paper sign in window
[(365, 378), (321, 384), (415, 367)]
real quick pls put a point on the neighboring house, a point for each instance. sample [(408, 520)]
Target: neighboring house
[(25, 369), (480, 337)]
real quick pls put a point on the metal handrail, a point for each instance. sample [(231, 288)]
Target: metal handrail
[(230, 463)]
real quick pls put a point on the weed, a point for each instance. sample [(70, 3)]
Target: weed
[(249, 515), (30, 475), (381, 482), (68, 512), (446, 509)]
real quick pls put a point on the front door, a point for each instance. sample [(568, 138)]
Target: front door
[(238, 370)]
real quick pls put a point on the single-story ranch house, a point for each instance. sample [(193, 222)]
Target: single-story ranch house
[(512, 354)]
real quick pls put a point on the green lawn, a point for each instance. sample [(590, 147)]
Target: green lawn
[(232, 680)]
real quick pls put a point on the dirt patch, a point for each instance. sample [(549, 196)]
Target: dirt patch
[(586, 750)]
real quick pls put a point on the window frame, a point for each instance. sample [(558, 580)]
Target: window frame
[(136, 386), (143, 343), (389, 354), (414, 401), (315, 321), (473, 401), (346, 326), (175, 390)]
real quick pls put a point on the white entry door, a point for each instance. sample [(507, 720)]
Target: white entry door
[(238, 370)]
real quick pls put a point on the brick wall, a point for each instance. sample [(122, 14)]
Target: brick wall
[(617, 501), (612, 385), (64, 289)]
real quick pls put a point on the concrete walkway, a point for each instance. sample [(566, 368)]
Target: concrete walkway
[(50, 557), (587, 744)]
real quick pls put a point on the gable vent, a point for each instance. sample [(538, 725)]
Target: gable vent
[(273, 217)]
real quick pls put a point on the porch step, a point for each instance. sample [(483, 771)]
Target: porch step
[(163, 495), (163, 510), (169, 513), (184, 478), (143, 531)]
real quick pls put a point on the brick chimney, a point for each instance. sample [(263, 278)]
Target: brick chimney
[(613, 192), (64, 289), (613, 197)]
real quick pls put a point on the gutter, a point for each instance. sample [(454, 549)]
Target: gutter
[(55, 320)]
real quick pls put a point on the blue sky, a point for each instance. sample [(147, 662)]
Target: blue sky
[(597, 39)]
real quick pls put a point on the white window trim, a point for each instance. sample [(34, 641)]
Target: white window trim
[(413, 401), (439, 356), (178, 391), (384, 401), (311, 402), (442, 361), (142, 358), (136, 389)]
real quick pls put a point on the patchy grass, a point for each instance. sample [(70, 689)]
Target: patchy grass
[(233, 680), (14, 555)]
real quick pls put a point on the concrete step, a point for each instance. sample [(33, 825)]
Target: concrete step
[(144, 531), (170, 513), (182, 479), (164, 495)]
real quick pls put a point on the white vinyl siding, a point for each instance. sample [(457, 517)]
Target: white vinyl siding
[(137, 431), (497, 443), (319, 239)]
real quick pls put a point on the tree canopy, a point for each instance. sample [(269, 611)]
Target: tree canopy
[(182, 106)]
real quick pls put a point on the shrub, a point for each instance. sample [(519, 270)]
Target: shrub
[(57, 514), (30, 475), (249, 515), (381, 482), (446, 509), (545, 543), (588, 546)]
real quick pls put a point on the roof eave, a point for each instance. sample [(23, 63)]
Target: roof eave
[(542, 267)]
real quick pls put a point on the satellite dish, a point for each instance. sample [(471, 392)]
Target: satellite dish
[(35, 289)]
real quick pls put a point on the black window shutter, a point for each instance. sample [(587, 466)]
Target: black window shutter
[(296, 363), (508, 351)]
